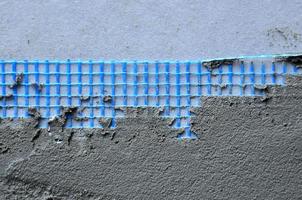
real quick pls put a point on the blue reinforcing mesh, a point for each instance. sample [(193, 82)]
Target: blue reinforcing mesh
[(99, 88)]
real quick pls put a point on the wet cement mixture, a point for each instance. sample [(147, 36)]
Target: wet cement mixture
[(18, 81), (213, 64), (247, 148), (295, 60)]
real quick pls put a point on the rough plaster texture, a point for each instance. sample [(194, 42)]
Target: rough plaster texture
[(248, 148)]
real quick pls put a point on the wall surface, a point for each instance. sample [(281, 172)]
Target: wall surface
[(165, 29), (248, 147)]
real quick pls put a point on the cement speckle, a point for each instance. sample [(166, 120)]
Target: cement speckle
[(84, 98), (295, 60), (107, 99), (9, 96), (18, 81), (58, 122), (210, 65), (261, 87), (34, 113), (38, 86), (105, 122)]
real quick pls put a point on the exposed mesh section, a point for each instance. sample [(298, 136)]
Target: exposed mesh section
[(99, 89)]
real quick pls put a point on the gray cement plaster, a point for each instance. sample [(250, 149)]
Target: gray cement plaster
[(248, 148)]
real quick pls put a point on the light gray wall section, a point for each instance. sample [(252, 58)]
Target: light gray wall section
[(162, 29)]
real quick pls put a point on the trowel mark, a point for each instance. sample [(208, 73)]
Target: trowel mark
[(94, 94)]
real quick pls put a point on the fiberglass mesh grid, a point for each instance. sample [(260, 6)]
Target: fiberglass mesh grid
[(174, 86)]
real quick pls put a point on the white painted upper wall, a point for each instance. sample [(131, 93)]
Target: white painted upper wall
[(150, 29)]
